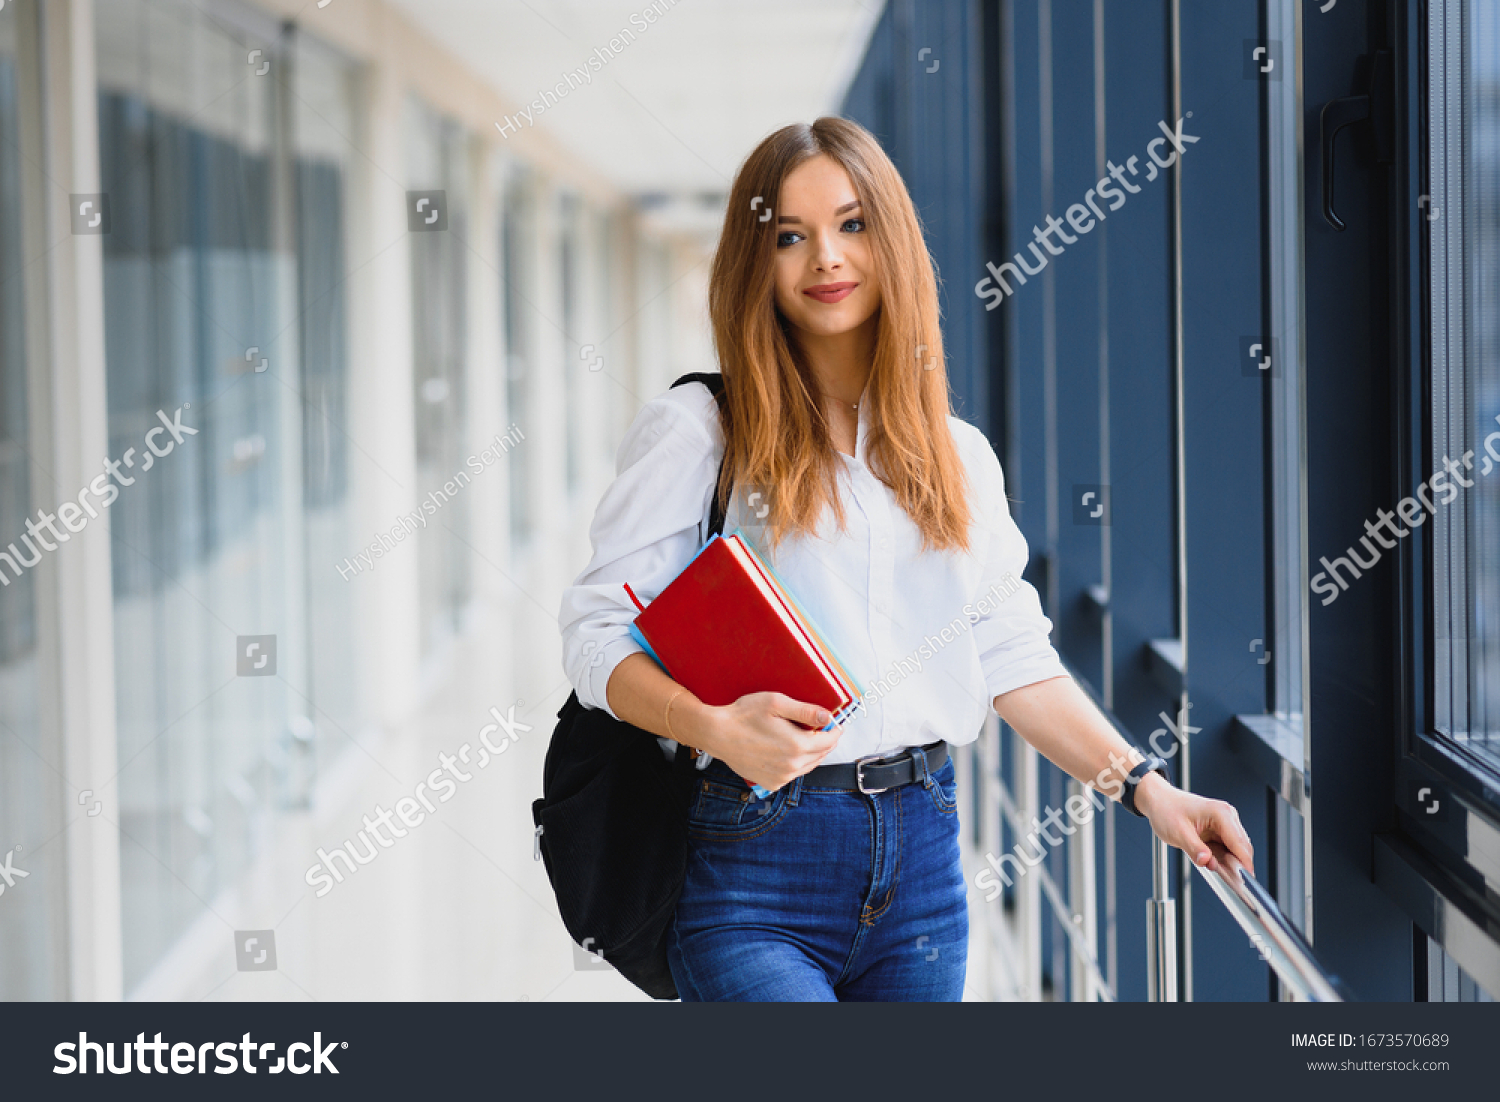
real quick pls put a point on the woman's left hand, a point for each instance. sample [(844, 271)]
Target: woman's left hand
[(1191, 822)]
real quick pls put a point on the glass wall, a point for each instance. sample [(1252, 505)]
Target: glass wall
[(207, 325), (437, 152), (568, 245), (323, 123), (31, 935), (516, 233), (609, 257)]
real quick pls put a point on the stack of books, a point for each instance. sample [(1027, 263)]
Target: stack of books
[(726, 626)]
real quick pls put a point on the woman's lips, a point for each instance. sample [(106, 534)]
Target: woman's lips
[(831, 292)]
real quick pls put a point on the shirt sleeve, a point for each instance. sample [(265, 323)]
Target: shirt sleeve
[(648, 525), (1012, 633)]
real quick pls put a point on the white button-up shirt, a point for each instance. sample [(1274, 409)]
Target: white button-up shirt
[(932, 637)]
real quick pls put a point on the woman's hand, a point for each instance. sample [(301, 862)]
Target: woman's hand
[(764, 737), (1192, 822)]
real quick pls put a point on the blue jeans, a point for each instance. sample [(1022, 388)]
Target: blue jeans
[(821, 895)]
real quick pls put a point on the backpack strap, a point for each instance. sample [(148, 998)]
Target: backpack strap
[(715, 383)]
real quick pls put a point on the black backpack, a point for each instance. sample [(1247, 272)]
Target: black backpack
[(612, 825)]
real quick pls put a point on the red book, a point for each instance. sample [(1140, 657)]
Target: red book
[(725, 627)]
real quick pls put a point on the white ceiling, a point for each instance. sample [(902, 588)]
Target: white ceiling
[(676, 111)]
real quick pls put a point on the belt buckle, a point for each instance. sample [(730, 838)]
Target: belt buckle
[(859, 775)]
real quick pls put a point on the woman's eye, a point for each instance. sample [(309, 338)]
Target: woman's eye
[(791, 237)]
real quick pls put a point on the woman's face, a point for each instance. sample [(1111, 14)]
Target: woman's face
[(826, 279)]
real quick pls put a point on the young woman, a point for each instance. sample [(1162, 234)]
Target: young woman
[(886, 517)]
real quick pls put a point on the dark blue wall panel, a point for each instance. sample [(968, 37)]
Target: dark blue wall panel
[(1136, 240), (931, 124), (1358, 930), (1225, 462)]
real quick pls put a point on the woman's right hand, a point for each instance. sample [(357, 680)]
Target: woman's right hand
[(764, 737)]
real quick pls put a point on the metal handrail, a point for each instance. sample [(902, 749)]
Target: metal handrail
[(1161, 929), (1280, 944), (1065, 916), (1278, 941)]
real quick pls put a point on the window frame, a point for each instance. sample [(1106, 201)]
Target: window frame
[(1437, 869), (1464, 770)]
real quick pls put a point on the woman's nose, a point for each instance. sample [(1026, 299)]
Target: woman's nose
[(828, 253)]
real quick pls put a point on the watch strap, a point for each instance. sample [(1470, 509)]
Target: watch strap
[(1152, 764)]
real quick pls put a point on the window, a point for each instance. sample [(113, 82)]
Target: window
[(569, 216), (1464, 226), (1283, 327), (608, 257), (438, 161), (206, 312), (515, 258), (322, 118), (31, 929), (1446, 981), (17, 589)]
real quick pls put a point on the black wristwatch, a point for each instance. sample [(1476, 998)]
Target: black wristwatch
[(1150, 765)]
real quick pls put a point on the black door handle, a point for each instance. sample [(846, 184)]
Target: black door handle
[(1337, 114), (1378, 106)]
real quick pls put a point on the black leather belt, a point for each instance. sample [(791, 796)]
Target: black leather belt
[(871, 775)]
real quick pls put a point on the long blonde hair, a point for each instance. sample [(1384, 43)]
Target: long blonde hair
[(776, 435)]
